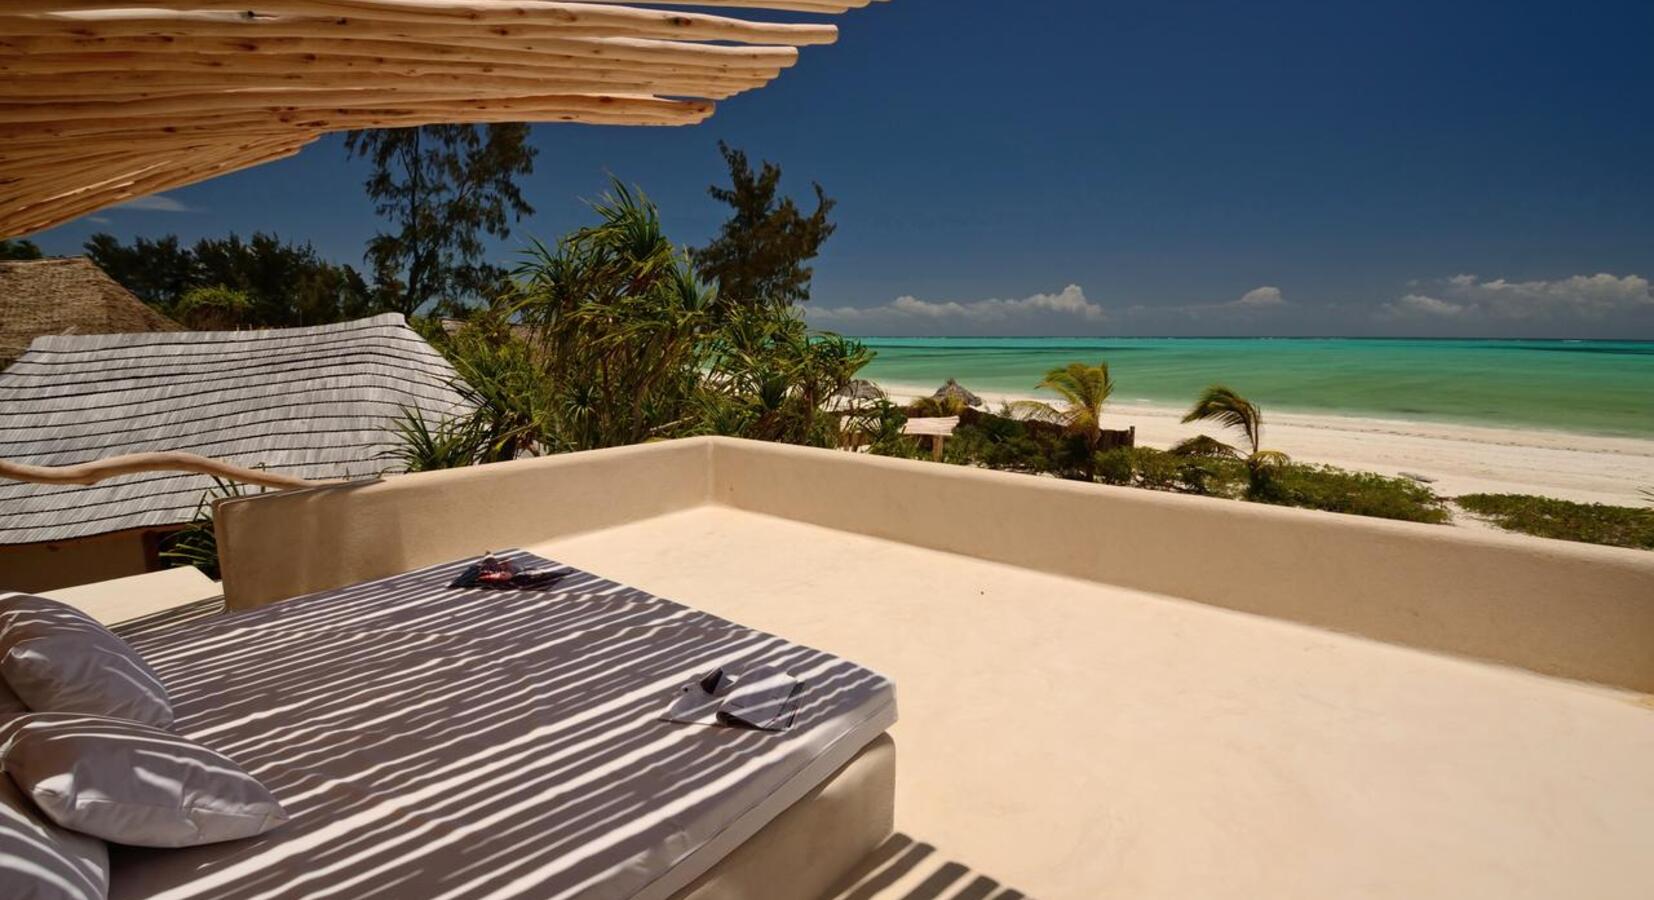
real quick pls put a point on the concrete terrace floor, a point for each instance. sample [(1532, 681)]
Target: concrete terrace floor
[(1076, 740)]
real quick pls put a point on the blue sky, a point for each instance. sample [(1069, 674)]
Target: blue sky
[(1116, 168)]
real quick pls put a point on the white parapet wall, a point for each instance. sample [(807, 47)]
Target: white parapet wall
[(1571, 610)]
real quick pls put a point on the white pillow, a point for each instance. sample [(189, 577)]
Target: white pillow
[(40, 861), (56, 658), (133, 784)]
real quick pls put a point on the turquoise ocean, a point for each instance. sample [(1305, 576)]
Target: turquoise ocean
[(1594, 387)]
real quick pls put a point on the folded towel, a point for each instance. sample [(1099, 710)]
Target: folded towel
[(765, 698), (762, 697), (696, 703)]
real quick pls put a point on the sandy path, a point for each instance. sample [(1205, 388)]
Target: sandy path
[(1463, 459)]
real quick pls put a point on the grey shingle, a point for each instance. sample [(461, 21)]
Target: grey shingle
[(314, 402)]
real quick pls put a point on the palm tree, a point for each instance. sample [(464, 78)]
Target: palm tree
[(1229, 409), (1084, 389)]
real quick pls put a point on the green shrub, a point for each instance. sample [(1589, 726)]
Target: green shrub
[(217, 308), (1115, 466), (1358, 493), (1071, 458), (999, 443), (1212, 477), (1156, 469), (196, 544), (1595, 523)]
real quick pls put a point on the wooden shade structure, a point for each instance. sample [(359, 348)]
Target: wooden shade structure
[(101, 103)]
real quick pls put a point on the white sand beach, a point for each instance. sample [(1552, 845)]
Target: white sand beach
[(1461, 459)]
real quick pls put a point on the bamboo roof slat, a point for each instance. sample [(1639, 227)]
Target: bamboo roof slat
[(102, 102)]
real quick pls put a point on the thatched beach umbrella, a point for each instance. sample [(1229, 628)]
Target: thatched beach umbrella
[(953, 390), (863, 390)]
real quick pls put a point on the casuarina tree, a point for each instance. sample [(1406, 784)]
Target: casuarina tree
[(441, 189), (759, 256)]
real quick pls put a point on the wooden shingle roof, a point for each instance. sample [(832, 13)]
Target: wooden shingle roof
[(318, 403), (66, 296)]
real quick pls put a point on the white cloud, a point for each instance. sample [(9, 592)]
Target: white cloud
[(1265, 297), (156, 203), (1258, 300), (912, 314), (1419, 304), (1581, 296)]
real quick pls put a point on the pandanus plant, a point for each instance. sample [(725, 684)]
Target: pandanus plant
[(1222, 405)]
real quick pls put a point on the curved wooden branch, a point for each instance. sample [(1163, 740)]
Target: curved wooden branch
[(114, 466)]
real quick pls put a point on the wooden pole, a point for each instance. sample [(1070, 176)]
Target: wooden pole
[(101, 102), (307, 18), (135, 463)]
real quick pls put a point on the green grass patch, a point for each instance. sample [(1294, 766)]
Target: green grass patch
[(1324, 488), (1595, 523), (1358, 493)]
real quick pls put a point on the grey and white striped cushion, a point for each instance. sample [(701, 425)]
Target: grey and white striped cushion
[(55, 658), (133, 784), (41, 861)]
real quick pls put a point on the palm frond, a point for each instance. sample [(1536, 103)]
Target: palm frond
[(1084, 389), (1205, 446), (1268, 459), (1224, 406), (425, 446), (1034, 410)]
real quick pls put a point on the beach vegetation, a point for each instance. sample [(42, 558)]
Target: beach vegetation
[(426, 445), (938, 406), (760, 255), (19, 248), (1084, 390), (196, 544), (614, 321), (440, 190), (999, 442), (876, 427), (1224, 406), (1595, 523), (1014, 444), (1325, 488), (1331, 489), (1146, 467), (499, 380), (612, 337), (286, 284), (216, 308)]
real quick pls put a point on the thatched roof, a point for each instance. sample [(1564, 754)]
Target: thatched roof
[(862, 389), (106, 101), (66, 296), (954, 389), (318, 403)]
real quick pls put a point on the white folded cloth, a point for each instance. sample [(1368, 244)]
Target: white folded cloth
[(762, 697)]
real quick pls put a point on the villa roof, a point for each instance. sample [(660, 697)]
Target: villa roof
[(318, 403), (66, 296), (104, 102)]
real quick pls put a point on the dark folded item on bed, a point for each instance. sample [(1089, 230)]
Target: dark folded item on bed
[(493, 573)]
